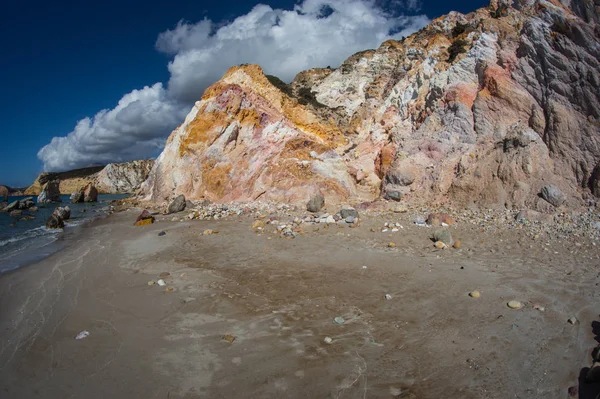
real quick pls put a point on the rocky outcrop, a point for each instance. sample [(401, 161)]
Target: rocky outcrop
[(76, 197), (63, 213), (50, 192), (3, 191), (114, 178), (482, 109), (90, 193), (25, 203), (54, 222), (124, 177)]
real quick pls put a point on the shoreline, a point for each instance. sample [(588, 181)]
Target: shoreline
[(277, 298)]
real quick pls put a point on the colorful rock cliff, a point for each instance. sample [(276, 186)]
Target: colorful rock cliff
[(485, 109)]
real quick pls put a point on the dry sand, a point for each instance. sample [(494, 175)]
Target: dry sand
[(278, 297)]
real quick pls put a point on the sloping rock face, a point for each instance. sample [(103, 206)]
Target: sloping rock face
[(50, 192), (485, 109), (126, 177)]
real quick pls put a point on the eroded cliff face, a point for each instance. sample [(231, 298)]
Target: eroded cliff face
[(483, 108), (126, 177), (114, 178)]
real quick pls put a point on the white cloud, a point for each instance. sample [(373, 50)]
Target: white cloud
[(316, 33)]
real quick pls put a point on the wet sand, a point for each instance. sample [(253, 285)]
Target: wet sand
[(278, 297)]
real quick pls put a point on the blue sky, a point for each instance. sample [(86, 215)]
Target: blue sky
[(66, 61)]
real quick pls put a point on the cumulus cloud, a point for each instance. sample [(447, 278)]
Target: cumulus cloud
[(315, 33)]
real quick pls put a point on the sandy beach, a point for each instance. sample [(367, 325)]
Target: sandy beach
[(276, 300)]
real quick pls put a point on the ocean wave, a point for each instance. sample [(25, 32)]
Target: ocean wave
[(29, 234)]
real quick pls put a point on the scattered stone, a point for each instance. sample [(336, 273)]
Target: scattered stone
[(170, 289), (27, 217), (162, 233), (177, 205), (573, 391), (145, 218), (161, 282), (348, 211), (395, 230), (475, 294), (316, 203), (456, 244), (514, 304), (392, 245), (258, 224), (350, 219), (440, 245), (553, 195), (328, 340), (573, 320), (388, 297), (33, 209), (444, 236), (54, 222), (393, 195), (437, 219), (339, 320), (207, 232), (15, 213), (82, 334), (151, 283), (229, 338), (420, 221), (164, 275)]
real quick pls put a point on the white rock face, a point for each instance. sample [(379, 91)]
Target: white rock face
[(124, 177)]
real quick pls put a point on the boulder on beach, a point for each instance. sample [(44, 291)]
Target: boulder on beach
[(90, 193), (177, 205), (316, 203), (348, 211), (63, 212), (144, 218), (50, 192), (553, 195), (55, 222)]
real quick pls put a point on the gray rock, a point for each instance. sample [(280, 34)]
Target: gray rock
[(77, 197), (54, 222), (393, 195), (419, 220), (13, 205), (400, 177), (444, 236), (177, 205), (316, 203), (553, 195), (50, 192), (348, 211), (162, 233), (350, 219), (63, 213), (90, 193)]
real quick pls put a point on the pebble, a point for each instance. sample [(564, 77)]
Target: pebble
[(151, 283), (392, 245), (514, 304), (573, 320), (395, 230), (162, 233), (456, 244), (328, 340), (475, 294), (384, 230), (339, 320), (440, 245), (388, 296), (161, 282), (164, 275), (207, 232)]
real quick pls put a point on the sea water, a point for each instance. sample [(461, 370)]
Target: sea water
[(23, 242)]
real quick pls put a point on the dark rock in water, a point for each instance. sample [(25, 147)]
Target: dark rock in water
[(90, 193), (54, 222), (77, 197), (33, 209), (13, 205), (27, 217), (316, 203), (444, 236), (348, 211), (15, 213), (393, 195), (177, 205), (63, 213), (553, 195), (50, 192), (144, 218), (26, 203), (162, 233), (3, 205)]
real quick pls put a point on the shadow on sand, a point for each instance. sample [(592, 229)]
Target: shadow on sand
[(589, 383)]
